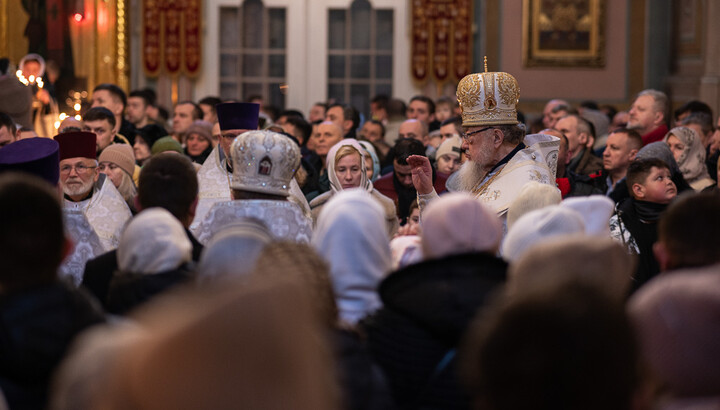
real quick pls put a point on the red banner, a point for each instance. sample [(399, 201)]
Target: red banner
[(171, 37), (192, 36), (151, 41), (441, 39)]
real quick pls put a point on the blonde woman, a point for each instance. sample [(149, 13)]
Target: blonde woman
[(117, 161), (346, 169)]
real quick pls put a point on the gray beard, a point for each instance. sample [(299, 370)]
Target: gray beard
[(75, 190), (469, 176)]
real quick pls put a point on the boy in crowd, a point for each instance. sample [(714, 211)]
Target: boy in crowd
[(635, 221)]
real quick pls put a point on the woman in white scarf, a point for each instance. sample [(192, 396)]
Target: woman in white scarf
[(688, 150), (351, 237), (346, 169)]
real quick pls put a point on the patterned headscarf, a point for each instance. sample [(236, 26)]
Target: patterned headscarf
[(692, 159)]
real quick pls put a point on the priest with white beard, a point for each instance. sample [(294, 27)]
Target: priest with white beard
[(501, 157), (95, 212)]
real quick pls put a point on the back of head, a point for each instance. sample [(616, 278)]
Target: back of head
[(168, 181), (676, 321), (701, 119), (300, 260), (659, 150), (458, 223), (692, 107), (153, 242), (352, 237), (233, 250), (396, 109), (406, 147), (689, 229), (560, 346), (600, 262), (533, 195), (537, 226), (151, 133), (8, 122), (217, 356), (31, 234)]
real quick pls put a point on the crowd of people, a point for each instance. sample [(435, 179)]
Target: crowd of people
[(434, 255)]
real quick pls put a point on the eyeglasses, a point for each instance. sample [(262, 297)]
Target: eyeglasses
[(466, 136), (79, 168)]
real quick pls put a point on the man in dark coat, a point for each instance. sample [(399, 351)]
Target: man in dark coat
[(167, 181), (428, 306), (39, 314)]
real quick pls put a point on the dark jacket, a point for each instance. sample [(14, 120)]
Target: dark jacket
[(99, 271), (427, 309), (586, 163), (364, 386), (36, 328), (403, 196), (130, 290)]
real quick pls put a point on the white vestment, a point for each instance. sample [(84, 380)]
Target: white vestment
[(498, 189), (214, 182), (285, 219), (94, 225)]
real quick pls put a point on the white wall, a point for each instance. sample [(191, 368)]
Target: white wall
[(307, 41)]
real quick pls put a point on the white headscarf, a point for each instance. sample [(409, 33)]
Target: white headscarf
[(153, 242), (335, 184), (352, 237)]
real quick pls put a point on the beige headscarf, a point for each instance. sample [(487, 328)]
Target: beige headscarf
[(692, 159)]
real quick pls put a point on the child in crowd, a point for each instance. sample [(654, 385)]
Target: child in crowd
[(635, 221), (444, 108)]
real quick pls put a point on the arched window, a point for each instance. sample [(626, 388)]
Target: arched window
[(253, 52), (360, 54)]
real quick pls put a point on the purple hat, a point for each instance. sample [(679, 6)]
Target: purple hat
[(79, 144), (37, 156), (238, 116)]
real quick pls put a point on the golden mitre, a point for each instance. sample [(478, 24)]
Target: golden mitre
[(488, 98)]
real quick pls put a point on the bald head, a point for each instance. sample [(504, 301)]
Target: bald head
[(414, 129), (327, 135)]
